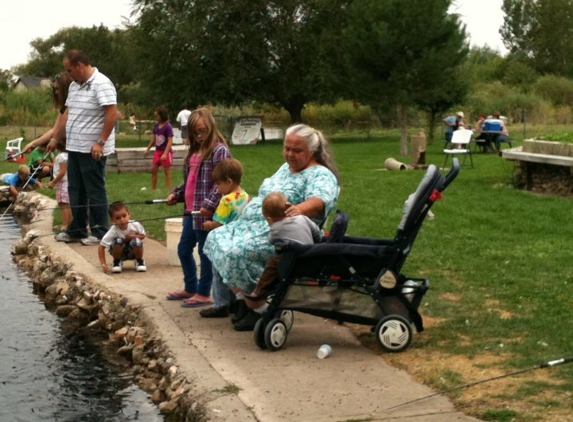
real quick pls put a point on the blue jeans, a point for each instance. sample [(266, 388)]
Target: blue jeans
[(88, 198), (189, 238), (221, 292), (499, 139)]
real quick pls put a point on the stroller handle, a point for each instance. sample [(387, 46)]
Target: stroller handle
[(452, 174)]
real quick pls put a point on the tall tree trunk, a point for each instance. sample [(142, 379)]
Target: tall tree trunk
[(295, 111), (403, 118)]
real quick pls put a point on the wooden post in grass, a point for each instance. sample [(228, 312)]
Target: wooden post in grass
[(418, 150)]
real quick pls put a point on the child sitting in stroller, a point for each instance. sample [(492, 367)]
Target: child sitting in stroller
[(299, 229)]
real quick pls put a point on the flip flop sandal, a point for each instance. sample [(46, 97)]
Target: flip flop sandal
[(194, 303), (178, 295)]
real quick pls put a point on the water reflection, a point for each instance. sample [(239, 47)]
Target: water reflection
[(47, 371)]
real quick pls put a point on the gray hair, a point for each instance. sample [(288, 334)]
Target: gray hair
[(317, 144)]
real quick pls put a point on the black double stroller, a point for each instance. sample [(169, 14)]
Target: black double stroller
[(355, 279)]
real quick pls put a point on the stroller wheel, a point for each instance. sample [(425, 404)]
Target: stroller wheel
[(394, 333), (275, 334), (260, 334), (287, 317)]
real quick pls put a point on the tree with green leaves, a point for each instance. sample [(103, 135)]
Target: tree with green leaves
[(108, 50), (540, 31), (5, 80), (236, 52), (405, 54)]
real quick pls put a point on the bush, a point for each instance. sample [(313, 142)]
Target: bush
[(32, 107), (556, 89)]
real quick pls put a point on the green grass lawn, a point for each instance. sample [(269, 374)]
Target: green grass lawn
[(502, 253)]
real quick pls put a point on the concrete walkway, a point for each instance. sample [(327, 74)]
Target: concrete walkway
[(291, 384)]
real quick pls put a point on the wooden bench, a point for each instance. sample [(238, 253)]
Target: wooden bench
[(130, 160), (508, 141), (482, 144)]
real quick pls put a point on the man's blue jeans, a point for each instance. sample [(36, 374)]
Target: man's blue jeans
[(88, 198), (189, 239)]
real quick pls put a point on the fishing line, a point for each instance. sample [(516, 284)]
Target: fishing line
[(567, 359)]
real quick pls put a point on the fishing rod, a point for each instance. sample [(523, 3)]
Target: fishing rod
[(146, 202), (11, 157), (6, 210), (191, 213), (551, 363), (152, 201)]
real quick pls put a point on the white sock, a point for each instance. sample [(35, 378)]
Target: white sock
[(239, 296), (261, 308)]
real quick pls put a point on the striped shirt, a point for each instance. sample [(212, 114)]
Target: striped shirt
[(86, 114)]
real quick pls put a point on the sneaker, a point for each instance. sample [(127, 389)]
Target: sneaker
[(116, 268), (140, 266), (90, 241), (63, 237)]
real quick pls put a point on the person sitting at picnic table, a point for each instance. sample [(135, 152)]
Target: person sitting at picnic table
[(494, 132), (453, 123), (480, 138), (309, 179), (503, 135), (479, 123)]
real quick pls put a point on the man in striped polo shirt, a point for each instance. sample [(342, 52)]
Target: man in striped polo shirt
[(89, 129)]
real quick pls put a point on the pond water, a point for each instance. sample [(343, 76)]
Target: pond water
[(49, 372)]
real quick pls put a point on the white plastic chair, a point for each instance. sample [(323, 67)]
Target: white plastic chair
[(13, 147), (460, 145)]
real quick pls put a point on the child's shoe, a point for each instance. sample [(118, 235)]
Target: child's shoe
[(116, 268), (140, 266)]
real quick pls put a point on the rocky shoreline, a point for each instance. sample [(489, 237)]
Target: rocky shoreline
[(203, 369), (90, 307)]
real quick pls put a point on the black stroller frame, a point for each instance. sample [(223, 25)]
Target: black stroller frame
[(355, 279)]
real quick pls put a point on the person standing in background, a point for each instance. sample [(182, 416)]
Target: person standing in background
[(183, 118), (118, 121), (88, 124), (132, 123), (453, 123), (162, 139)]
